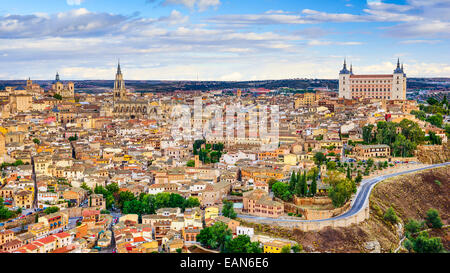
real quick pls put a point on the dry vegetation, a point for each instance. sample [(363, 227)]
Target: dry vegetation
[(410, 195)]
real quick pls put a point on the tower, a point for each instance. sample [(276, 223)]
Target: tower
[(119, 86), (399, 83), (344, 82)]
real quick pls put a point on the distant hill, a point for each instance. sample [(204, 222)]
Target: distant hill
[(167, 86)]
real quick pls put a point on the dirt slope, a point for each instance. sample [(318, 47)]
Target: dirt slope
[(410, 195)]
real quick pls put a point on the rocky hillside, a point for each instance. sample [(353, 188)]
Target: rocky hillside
[(433, 154), (410, 195)]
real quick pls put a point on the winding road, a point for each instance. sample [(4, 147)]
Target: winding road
[(359, 202)]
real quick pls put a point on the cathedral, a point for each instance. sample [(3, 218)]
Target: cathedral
[(65, 91), (124, 107)]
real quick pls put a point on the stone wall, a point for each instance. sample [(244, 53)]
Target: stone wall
[(433, 154), (313, 214), (305, 226)]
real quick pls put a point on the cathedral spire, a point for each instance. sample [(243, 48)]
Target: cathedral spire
[(57, 77), (351, 68), (344, 68), (118, 68), (398, 69)]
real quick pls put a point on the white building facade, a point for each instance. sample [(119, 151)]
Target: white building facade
[(381, 86)]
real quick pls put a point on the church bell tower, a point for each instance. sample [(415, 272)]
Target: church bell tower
[(119, 86)]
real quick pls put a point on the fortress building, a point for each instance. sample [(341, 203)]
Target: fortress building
[(124, 107), (382, 86)]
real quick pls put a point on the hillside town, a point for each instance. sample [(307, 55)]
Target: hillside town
[(116, 172)]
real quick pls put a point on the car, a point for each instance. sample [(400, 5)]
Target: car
[(10, 221), (2, 224), (29, 213)]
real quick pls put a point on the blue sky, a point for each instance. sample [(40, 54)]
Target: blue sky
[(221, 39)]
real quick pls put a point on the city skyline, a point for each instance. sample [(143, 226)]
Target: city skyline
[(221, 40)]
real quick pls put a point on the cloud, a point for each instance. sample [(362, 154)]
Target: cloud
[(81, 23), (77, 22), (201, 5), (74, 2), (325, 43), (431, 42), (258, 19), (431, 28)]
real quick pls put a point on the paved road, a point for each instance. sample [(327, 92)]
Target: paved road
[(359, 203)]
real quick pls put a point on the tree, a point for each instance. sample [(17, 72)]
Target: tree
[(349, 174), (84, 186), (133, 207), (292, 182), (367, 133), (432, 101), (447, 129), (215, 236), (228, 210), (51, 210), (313, 188), (436, 120), (370, 162), (5, 213), (419, 114), (434, 139), (331, 165), (271, 182), (239, 175), (424, 244), (58, 96), (190, 163), (433, 219), (73, 138), (125, 196), (413, 226), (319, 158), (112, 188), (192, 202), (37, 141), (390, 215), (286, 249), (297, 248), (358, 178), (341, 192), (280, 189), (304, 185), (242, 244)]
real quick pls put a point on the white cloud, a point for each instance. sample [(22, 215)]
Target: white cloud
[(431, 42), (201, 5), (74, 2)]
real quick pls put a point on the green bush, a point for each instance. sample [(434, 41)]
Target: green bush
[(433, 219), (390, 216), (413, 226)]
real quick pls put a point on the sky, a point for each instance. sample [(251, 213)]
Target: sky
[(221, 39)]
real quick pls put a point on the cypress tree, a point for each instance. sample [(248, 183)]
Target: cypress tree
[(304, 185), (298, 185), (292, 182)]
